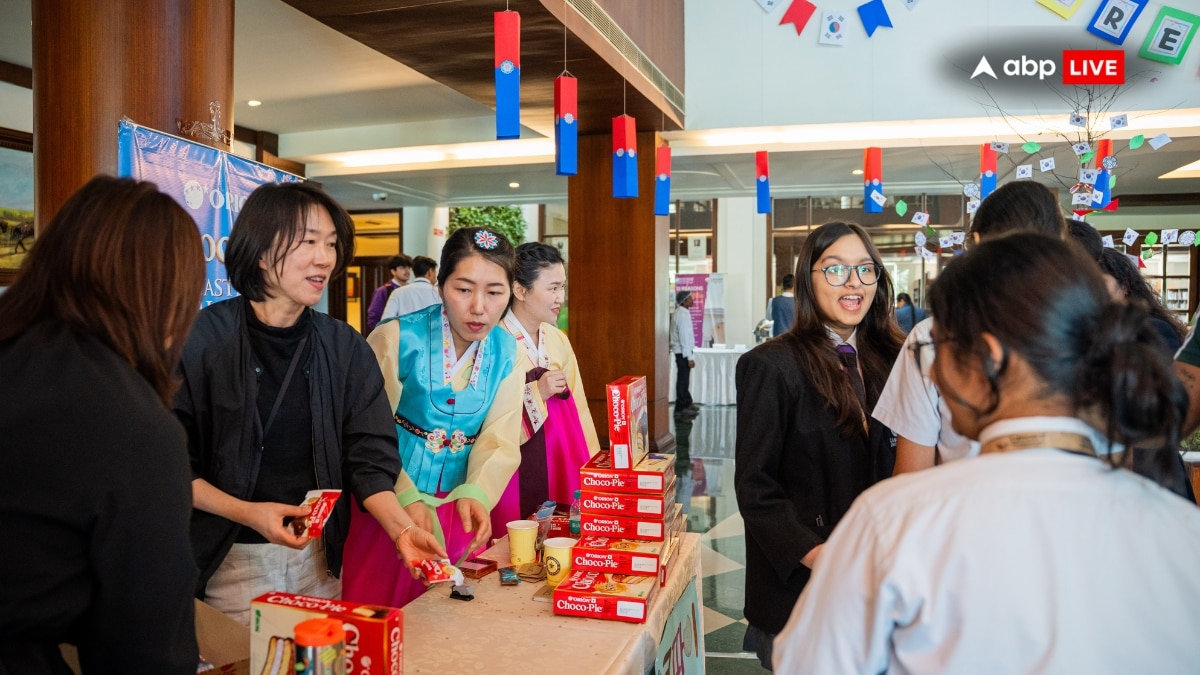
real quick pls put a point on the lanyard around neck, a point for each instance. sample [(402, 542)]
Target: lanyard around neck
[(1058, 440)]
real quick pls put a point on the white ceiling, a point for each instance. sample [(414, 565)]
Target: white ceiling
[(323, 92)]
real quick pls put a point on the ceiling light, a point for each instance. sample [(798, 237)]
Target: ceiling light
[(253, 103), (857, 172), (514, 185)]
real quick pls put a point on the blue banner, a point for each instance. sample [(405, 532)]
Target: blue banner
[(210, 184)]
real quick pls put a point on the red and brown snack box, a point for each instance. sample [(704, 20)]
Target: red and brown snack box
[(477, 568), (600, 595), (560, 524), (617, 556), (615, 503), (620, 527), (374, 634), (322, 503), (628, 421), (650, 476)]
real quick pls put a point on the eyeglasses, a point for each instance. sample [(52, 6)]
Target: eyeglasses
[(839, 275), (925, 351)]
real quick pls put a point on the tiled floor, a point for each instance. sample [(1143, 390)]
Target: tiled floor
[(704, 464)]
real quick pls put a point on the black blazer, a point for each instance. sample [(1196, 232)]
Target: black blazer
[(796, 475)]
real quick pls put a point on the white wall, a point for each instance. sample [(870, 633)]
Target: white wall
[(744, 69), (741, 252), (420, 222)]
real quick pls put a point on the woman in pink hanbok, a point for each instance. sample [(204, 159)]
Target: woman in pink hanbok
[(557, 433)]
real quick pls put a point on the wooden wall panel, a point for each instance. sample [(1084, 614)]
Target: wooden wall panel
[(154, 61), (656, 28), (618, 281)]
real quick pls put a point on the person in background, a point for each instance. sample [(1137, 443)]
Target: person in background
[(805, 447), (95, 506), (910, 403), (279, 399), (557, 433), (783, 308), (401, 269), (418, 294), (683, 346), (1131, 286), (455, 397), (907, 313), (1006, 563)]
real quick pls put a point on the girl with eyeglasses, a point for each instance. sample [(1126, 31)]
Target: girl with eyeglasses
[(806, 445), (1044, 554)]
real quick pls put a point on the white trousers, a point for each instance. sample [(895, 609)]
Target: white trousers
[(253, 569)]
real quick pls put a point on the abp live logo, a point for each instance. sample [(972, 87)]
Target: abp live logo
[(1093, 66), (1079, 67)]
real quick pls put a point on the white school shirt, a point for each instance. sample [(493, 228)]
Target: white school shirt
[(417, 295), (912, 406), (1031, 561)]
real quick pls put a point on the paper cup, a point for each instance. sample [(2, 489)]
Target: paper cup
[(557, 556), (522, 535)]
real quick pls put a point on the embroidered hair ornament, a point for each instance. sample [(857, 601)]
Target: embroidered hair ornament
[(486, 240)]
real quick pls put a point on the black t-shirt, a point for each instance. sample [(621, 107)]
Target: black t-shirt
[(286, 471)]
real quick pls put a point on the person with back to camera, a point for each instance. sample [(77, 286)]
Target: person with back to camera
[(97, 495), (279, 399), (783, 308), (907, 313), (418, 294), (805, 446), (1131, 286), (910, 403), (455, 397), (1044, 554), (557, 433), (400, 267)]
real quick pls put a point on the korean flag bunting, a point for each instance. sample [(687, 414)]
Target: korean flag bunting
[(662, 181), (508, 74)]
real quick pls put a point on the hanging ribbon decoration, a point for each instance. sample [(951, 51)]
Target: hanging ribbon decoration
[(1103, 179), (625, 171), (662, 182), (872, 179), (566, 125), (508, 74), (987, 170), (762, 182)]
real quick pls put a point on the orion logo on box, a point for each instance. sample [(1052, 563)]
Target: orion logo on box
[(618, 411)]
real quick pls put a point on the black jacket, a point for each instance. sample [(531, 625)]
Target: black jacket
[(795, 477), (94, 512), (354, 437)]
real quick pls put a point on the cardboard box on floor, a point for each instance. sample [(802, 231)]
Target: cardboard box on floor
[(224, 643)]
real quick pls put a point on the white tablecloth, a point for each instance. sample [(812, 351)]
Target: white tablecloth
[(712, 378)]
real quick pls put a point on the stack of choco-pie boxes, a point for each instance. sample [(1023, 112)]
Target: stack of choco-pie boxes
[(629, 520)]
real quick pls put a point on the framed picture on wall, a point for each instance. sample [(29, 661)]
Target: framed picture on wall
[(16, 201), (558, 241)]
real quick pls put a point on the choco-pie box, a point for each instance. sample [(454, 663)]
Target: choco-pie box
[(374, 634), (599, 502), (621, 527), (653, 475), (617, 556), (628, 421), (602, 595)]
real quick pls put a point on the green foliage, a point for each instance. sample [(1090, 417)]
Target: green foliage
[(505, 220)]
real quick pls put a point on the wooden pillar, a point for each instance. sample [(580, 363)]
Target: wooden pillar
[(618, 282), (153, 61)]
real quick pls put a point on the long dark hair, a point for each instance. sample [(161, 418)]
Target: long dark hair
[(1043, 299), (1137, 289), (878, 338), (269, 226), (121, 262)]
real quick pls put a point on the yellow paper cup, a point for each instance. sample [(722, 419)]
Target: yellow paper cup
[(557, 555), (522, 535)]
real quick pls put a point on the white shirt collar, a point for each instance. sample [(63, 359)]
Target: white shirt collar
[(837, 339), (1067, 424)]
